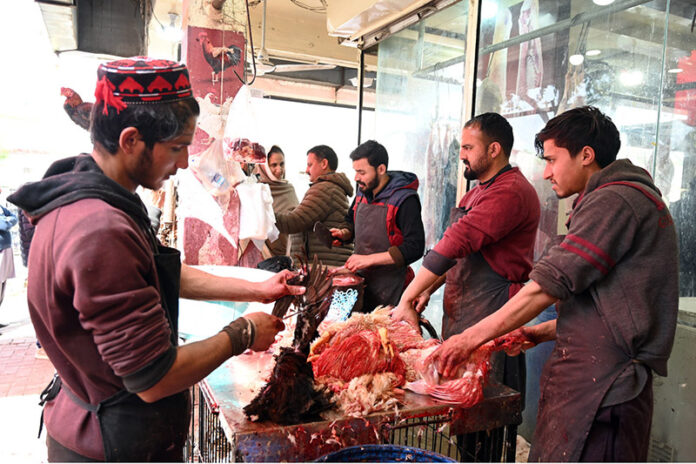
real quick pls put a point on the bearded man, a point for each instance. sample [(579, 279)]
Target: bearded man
[(385, 221), (486, 254)]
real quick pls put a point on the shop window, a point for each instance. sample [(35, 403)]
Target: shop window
[(634, 60)]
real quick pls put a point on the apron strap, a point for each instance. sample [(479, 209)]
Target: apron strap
[(48, 393)]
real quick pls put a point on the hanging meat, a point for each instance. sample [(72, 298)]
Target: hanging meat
[(291, 396)]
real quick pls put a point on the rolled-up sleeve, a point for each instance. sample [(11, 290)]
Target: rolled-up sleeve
[(602, 231), (109, 269)]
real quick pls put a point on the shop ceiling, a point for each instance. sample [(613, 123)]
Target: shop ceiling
[(297, 31)]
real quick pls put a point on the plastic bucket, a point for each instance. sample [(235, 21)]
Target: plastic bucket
[(383, 453)]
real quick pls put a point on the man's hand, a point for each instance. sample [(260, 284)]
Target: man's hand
[(422, 301), (340, 235), (267, 327), (357, 262), (277, 286), (523, 338), (451, 354), (405, 312)]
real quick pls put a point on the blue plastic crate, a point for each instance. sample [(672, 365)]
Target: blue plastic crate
[(383, 453)]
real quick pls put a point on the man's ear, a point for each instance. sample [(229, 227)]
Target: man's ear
[(494, 149), (128, 139), (588, 155), (381, 170), (324, 163)]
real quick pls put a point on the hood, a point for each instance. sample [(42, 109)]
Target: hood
[(339, 179), (398, 180), (623, 171), (72, 179)]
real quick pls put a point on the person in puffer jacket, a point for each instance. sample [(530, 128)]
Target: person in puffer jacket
[(326, 201)]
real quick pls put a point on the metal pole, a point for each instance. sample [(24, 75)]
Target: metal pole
[(469, 89), (361, 69)]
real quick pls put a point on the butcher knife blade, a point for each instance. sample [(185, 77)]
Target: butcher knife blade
[(323, 234)]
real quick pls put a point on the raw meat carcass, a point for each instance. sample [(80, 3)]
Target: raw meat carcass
[(360, 360), (466, 386)]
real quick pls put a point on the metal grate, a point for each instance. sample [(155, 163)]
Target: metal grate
[(207, 441), (433, 433)]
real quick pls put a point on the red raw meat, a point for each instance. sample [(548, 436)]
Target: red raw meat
[(204, 245), (359, 354)]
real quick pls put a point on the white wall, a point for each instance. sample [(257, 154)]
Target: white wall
[(297, 127)]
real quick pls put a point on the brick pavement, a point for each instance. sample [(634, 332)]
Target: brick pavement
[(21, 373)]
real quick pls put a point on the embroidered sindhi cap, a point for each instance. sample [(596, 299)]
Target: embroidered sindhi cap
[(141, 80)]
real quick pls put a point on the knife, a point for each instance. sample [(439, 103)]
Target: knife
[(323, 234)]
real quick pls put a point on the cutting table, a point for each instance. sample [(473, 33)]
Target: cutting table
[(226, 435)]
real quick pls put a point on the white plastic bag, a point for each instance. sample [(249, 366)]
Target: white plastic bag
[(243, 131), (211, 168), (256, 218)]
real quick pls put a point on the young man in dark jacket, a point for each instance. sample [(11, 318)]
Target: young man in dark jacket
[(615, 280), (103, 293), (385, 223)]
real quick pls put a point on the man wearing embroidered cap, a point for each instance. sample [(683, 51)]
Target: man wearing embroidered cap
[(103, 293)]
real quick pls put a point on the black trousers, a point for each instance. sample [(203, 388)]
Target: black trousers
[(59, 453), (621, 433)]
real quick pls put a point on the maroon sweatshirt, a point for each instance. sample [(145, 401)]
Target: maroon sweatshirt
[(501, 222), (97, 314)]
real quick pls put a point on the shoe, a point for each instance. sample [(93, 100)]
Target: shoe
[(40, 354)]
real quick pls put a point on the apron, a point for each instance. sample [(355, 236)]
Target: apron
[(583, 366), (473, 291), (383, 284), (133, 430)]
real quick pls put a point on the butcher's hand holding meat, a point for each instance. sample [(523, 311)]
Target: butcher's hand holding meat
[(452, 353), (405, 312)]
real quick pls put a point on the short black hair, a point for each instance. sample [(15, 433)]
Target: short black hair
[(327, 153), (156, 122), (585, 126), (374, 151), (495, 128), (274, 149)]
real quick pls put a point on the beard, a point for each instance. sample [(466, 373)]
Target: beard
[(473, 172), (143, 175), (370, 186)]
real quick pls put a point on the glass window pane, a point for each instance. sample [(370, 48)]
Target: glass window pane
[(419, 108), (538, 59)]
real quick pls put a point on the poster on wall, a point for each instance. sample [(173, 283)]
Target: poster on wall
[(215, 59)]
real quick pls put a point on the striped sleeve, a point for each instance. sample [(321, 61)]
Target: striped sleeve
[(602, 230)]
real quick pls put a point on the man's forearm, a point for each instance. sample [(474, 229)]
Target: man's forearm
[(437, 284), (544, 332), (520, 309), (199, 285), (423, 280), (194, 361)]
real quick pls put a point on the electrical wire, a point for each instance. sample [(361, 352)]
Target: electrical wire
[(253, 55), (315, 9)]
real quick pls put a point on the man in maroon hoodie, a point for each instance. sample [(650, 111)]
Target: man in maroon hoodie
[(103, 293), (486, 254), (615, 280)]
